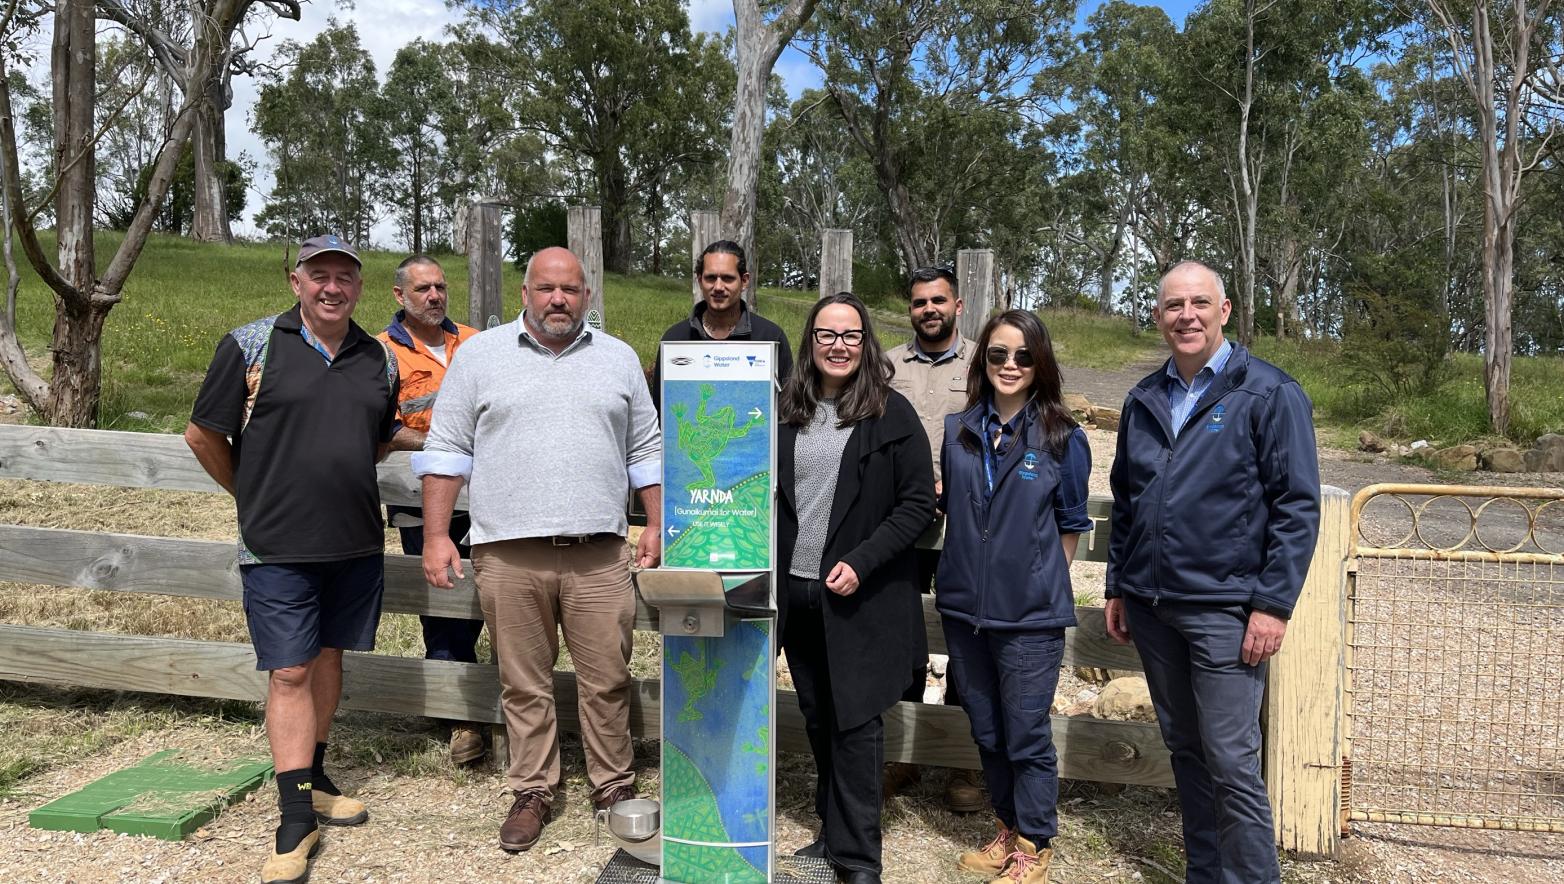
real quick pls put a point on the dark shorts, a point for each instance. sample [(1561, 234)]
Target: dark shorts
[(295, 609)]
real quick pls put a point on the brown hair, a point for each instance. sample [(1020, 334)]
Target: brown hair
[(861, 398)]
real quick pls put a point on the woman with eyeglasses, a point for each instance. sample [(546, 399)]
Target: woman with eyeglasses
[(856, 488), (1014, 466)]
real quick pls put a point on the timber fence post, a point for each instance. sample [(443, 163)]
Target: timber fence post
[(975, 286), (584, 232), (836, 261), (1305, 709), (485, 293), (705, 229)]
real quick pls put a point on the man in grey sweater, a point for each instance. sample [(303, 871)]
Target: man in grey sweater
[(548, 422)]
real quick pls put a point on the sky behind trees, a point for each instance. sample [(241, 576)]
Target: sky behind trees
[(384, 26)]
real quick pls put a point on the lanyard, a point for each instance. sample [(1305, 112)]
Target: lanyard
[(988, 456)]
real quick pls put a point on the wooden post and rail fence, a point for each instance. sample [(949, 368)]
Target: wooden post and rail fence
[(1303, 719)]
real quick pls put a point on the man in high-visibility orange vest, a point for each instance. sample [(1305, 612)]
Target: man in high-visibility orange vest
[(425, 341)]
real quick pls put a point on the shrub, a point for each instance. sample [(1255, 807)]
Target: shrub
[(1396, 333)]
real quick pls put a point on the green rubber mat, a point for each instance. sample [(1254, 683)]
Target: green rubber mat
[(166, 795)]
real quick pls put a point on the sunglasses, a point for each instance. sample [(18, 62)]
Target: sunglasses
[(998, 356)]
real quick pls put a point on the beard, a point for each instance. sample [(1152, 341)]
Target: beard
[(561, 325), (430, 316), (939, 334)]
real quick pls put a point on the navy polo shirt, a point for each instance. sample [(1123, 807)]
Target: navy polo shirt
[(305, 433)]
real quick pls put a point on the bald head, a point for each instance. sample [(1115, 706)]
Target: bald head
[(557, 257), (1191, 310), (554, 291), (1193, 272)]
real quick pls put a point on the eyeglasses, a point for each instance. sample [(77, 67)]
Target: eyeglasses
[(827, 338), (998, 356)]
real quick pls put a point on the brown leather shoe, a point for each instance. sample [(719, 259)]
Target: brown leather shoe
[(898, 775), (466, 742), (964, 792), (524, 822), (613, 796)]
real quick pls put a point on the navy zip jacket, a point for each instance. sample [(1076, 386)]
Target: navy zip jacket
[(1003, 566), (1226, 513)]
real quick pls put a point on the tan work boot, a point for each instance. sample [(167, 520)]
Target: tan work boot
[(964, 792), (991, 858), (1026, 864), (466, 742), (337, 810), (292, 867), (898, 775)]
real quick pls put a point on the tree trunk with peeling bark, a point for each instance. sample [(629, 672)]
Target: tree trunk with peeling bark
[(208, 145), (82, 298), (1500, 124), (213, 25), (757, 45)]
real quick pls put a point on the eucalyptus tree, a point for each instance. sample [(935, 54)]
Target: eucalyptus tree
[(620, 86), (321, 117), (166, 30), (416, 105), (762, 28), (941, 87), (1260, 67), (1508, 57), (83, 297)]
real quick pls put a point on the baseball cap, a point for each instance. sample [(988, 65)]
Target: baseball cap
[(320, 245)]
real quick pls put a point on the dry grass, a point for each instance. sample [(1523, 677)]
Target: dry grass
[(432, 821)]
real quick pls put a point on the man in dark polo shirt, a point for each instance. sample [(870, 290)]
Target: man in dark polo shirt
[(721, 314), (295, 411)]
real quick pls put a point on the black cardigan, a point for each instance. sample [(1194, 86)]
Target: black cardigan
[(874, 638)]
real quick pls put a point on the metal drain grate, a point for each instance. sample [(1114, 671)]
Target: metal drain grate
[(626, 869)]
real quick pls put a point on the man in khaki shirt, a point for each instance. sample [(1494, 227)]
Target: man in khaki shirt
[(931, 371)]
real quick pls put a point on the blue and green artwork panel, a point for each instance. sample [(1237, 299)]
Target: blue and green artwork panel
[(717, 475), (718, 759)]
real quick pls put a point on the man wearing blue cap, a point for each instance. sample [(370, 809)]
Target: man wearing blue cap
[(295, 411)]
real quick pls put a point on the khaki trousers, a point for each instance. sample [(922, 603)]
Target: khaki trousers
[(530, 590)]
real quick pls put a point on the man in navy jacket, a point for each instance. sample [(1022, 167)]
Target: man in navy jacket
[(1215, 511)]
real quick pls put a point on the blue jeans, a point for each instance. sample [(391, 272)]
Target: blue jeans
[(1007, 687), (445, 638), (1208, 707)]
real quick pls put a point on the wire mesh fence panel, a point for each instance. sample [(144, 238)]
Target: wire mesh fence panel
[(1456, 657)]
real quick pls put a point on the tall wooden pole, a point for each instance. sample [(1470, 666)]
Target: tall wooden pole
[(584, 230), (485, 294), (976, 285), (705, 229), (836, 261)]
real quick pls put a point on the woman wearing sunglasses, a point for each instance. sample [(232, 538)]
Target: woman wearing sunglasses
[(856, 486), (1014, 467)]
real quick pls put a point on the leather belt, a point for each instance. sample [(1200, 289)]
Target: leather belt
[(576, 539)]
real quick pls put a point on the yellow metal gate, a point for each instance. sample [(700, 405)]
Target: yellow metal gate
[(1455, 661)]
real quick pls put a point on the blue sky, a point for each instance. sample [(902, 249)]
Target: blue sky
[(384, 26)]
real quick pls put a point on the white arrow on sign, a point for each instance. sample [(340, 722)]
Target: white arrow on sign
[(754, 413), (672, 531)]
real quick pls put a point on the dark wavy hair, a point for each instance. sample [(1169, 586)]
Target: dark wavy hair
[(1047, 386), (861, 398)]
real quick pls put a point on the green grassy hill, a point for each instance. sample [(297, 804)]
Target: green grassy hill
[(183, 296)]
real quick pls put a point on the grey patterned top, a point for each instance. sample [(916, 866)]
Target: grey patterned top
[(817, 459)]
